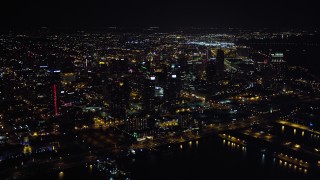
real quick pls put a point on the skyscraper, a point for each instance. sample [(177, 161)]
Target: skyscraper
[(54, 80), (172, 90), (215, 66), (136, 122), (278, 66), (185, 119), (119, 93), (55, 100), (148, 96), (211, 69), (220, 63), (119, 66)]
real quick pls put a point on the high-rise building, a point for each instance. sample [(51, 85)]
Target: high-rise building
[(211, 69), (148, 96), (215, 66), (6, 86), (136, 122), (53, 62), (55, 99), (119, 66), (220, 63), (54, 84), (172, 90), (118, 95), (278, 66), (185, 119), (183, 64), (277, 58)]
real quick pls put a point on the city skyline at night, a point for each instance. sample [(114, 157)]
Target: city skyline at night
[(159, 90)]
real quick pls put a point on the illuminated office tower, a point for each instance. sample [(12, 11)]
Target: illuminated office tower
[(136, 122), (148, 96), (278, 66), (185, 119), (172, 90)]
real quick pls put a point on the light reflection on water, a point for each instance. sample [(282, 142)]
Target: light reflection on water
[(191, 156), (291, 166), (263, 158), (61, 175)]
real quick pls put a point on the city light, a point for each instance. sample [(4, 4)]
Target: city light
[(117, 103)]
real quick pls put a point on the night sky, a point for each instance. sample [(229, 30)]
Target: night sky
[(58, 13)]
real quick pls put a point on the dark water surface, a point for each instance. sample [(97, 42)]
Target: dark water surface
[(210, 158)]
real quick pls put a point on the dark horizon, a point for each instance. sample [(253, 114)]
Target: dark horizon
[(73, 14)]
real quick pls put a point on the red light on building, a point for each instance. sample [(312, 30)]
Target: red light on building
[(56, 112)]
